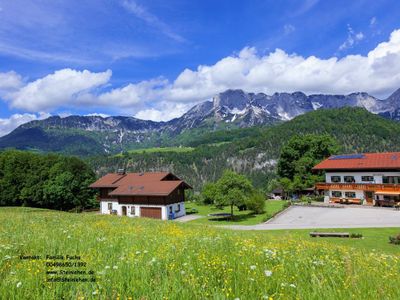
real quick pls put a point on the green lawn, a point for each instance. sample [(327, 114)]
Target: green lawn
[(134, 258), (160, 149), (245, 217), (375, 240)]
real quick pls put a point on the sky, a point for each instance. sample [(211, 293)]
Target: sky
[(155, 59)]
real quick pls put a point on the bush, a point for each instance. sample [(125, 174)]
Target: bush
[(256, 203), (190, 211), (306, 199), (395, 239), (356, 235)]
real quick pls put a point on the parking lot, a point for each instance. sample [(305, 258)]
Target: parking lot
[(297, 217)]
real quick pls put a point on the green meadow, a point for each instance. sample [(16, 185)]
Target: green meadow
[(126, 258)]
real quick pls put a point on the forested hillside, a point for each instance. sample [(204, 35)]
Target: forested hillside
[(255, 155), (47, 181)]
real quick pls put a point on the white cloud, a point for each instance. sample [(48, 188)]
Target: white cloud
[(97, 115), (132, 94), (58, 89), (9, 124), (372, 22), (352, 38), (160, 99), (165, 111), (10, 81)]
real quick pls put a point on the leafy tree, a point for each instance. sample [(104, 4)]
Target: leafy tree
[(299, 156), (256, 202), (231, 189), (48, 181), (209, 193)]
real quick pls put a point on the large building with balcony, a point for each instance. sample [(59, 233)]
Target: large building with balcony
[(369, 179)]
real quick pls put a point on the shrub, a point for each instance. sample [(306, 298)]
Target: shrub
[(256, 203), (190, 211), (395, 239), (356, 235), (306, 199)]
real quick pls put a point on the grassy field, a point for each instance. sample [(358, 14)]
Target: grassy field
[(149, 259), (240, 217), (160, 149)]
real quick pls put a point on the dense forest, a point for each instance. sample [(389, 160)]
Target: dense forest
[(255, 155), (47, 181)]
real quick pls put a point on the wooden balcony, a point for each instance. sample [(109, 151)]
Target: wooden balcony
[(369, 187), (345, 200)]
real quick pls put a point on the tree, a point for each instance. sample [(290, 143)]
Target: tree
[(48, 181), (231, 189), (256, 202), (209, 193), (299, 156)]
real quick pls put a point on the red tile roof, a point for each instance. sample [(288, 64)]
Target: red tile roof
[(384, 160), (115, 180), (161, 188), (135, 184)]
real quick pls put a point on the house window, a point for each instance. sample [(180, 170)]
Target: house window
[(349, 179), (109, 206), (336, 194), (178, 208), (350, 194), (391, 179), (132, 210), (170, 209), (335, 179), (367, 178)]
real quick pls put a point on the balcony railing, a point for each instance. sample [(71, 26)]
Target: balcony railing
[(370, 187)]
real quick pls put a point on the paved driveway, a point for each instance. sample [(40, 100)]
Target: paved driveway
[(188, 218), (297, 217)]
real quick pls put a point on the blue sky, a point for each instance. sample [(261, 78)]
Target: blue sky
[(155, 59)]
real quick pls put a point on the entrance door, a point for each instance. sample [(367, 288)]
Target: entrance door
[(150, 212), (124, 210), (369, 196)]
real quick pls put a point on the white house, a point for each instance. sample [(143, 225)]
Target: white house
[(158, 195), (369, 178)]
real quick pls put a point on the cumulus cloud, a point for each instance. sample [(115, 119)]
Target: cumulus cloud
[(57, 89), (9, 124), (161, 99), (165, 111)]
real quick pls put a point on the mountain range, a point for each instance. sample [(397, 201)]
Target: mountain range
[(88, 135), (254, 151)]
